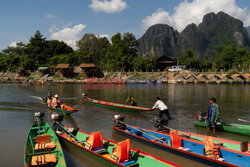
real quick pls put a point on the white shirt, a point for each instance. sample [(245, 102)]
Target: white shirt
[(160, 105)]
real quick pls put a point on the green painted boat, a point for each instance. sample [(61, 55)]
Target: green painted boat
[(115, 106), (105, 153), (228, 127), (66, 110), (43, 147)]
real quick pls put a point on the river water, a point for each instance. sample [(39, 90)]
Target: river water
[(18, 103)]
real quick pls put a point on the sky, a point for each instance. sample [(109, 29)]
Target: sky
[(69, 20)]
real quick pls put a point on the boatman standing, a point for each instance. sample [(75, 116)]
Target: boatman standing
[(213, 115), (162, 107)]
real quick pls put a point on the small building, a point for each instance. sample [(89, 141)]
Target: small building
[(213, 78), (165, 61), (224, 78), (237, 78), (246, 77), (88, 69), (21, 72), (190, 78), (180, 78), (201, 78), (65, 70), (43, 71)]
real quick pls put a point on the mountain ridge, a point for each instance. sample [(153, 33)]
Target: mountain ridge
[(214, 30)]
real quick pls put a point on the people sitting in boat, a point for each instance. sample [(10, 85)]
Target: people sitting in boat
[(121, 152), (213, 115), (131, 100), (175, 139), (162, 107), (211, 150), (57, 103)]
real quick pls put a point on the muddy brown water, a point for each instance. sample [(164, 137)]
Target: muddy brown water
[(18, 103)]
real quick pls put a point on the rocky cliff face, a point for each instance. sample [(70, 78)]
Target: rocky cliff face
[(215, 29), (158, 40), (248, 30)]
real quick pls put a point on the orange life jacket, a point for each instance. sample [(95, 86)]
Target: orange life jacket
[(67, 108), (122, 151), (175, 139), (95, 140), (55, 101), (49, 101), (212, 151), (41, 146), (43, 159)]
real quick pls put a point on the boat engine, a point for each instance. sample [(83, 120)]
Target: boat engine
[(161, 123), (119, 120), (39, 117), (56, 117)]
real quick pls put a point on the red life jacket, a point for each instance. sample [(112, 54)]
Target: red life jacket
[(175, 139)]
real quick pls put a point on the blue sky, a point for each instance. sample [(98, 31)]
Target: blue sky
[(68, 20)]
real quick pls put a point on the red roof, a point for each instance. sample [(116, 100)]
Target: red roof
[(88, 65), (62, 66)]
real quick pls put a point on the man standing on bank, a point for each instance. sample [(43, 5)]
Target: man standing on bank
[(213, 115), (162, 107)]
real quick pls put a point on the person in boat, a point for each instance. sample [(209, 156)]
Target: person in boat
[(49, 100), (131, 100), (57, 103), (162, 107), (213, 115)]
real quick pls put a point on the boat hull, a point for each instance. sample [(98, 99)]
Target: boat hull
[(116, 106), (234, 128), (61, 110), (29, 148), (196, 149), (144, 160)]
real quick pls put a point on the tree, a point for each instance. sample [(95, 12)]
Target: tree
[(188, 59), (92, 44), (205, 65), (36, 48), (55, 47), (18, 50)]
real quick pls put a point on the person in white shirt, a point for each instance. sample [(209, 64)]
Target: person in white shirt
[(162, 107)]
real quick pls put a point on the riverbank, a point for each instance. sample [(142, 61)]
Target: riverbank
[(132, 78)]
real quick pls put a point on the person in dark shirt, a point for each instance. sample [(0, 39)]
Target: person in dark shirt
[(213, 115)]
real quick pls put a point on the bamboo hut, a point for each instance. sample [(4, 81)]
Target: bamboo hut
[(190, 78), (213, 78), (180, 78), (201, 78), (224, 78), (247, 77), (238, 78)]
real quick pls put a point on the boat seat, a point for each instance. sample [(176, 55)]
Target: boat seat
[(41, 139)]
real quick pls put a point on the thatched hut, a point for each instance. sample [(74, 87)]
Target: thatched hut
[(224, 78), (246, 77), (238, 78), (201, 78), (65, 70), (190, 78), (213, 78), (180, 78)]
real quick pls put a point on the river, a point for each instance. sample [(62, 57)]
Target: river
[(18, 103)]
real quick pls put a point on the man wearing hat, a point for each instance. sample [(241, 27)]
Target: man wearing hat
[(162, 107), (213, 115)]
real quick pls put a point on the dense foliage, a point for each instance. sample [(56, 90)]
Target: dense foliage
[(120, 54)]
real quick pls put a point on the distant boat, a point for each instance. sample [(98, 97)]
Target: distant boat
[(115, 106)]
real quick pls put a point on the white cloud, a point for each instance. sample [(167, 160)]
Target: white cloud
[(193, 11), (50, 16), (112, 6), (103, 36), (69, 35), (14, 44)]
